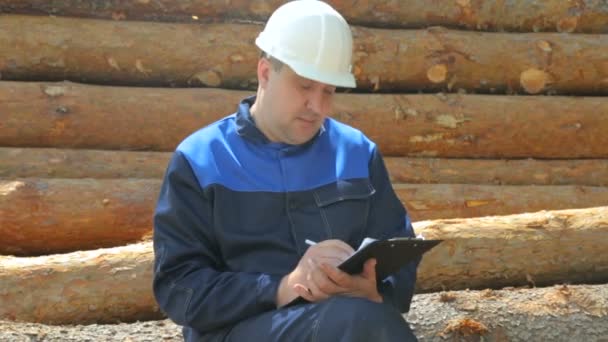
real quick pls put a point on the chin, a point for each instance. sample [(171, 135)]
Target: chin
[(303, 136), (301, 140)]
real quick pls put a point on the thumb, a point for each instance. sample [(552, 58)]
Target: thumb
[(369, 269)]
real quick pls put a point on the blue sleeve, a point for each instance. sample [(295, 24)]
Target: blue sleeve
[(388, 218), (190, 283)]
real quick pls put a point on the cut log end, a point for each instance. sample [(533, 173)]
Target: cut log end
[(208, 78), (464, 327), (544, 46), (437, 73), (534, 80), (567, 25)]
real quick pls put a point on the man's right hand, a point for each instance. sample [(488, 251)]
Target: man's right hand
[(300, 280)]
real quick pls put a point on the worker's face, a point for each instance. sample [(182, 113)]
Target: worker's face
[(294, 107)]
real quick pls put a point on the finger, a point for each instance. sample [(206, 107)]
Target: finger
[(303, 292), (338, 277), (312, 266), (333, 261), (317, 284), (369, 269), (317, 293), (321, 281), (316, 265), (344, 249), (337, 245), (332, 255)]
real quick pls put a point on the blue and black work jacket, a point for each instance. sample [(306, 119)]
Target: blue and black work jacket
[(235, 210)]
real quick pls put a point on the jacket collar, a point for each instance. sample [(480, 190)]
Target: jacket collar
[(245, 127)]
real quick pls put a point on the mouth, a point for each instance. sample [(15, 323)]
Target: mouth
[(308, 120)]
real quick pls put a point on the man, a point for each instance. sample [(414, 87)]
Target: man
[(241, 196)]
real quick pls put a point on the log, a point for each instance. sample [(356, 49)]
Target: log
[(69, 163), (480, 126), (456, 125), (82, 116), (529, 249), (591, 172), (550, 15), (129, 53), (435, 201), (44, 216), (537, 249), (39, 216), (98, 286), (557, 313)]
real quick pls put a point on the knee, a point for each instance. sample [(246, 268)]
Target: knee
[(358, 312), (358, 319)]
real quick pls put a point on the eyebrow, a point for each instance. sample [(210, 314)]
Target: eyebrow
[(301, 79)]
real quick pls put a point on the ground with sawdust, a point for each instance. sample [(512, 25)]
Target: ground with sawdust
[(558, 313)]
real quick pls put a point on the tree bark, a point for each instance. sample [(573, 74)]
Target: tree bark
[(98, 286), (536, 249), (531, 249), (436, 201), (558, 313), (591, 172), (129, 53), (43, 216), (456, 126), (68, 163), (553, 15)]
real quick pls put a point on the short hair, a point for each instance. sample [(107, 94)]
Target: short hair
[(277, 65)]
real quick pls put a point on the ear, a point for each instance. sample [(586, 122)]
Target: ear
[(264, 70)]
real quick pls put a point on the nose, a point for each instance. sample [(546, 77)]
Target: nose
[(316, 102)]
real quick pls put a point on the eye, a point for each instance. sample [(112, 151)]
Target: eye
[(329, 91), (306, 86)]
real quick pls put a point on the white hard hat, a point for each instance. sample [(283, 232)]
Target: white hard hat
[(313, 39)]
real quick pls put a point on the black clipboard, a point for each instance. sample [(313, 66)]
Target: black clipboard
[(391, 255)]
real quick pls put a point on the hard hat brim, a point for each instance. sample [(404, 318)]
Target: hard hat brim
[(344, 80)]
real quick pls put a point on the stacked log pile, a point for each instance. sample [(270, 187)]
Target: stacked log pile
[(501, 110), (109, 284)]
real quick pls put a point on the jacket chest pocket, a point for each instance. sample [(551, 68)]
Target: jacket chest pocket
[(344, 207)]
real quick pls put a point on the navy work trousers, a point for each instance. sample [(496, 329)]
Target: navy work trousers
[(338, 319)]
